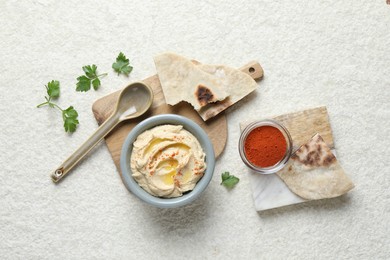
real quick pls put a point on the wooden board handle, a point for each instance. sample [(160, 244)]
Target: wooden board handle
[(253, 69)]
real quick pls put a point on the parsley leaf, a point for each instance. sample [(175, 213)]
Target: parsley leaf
[(69, 115), (91, 77), (96, 83), (53, 89), (90, 71), (83, 84), (122, 65), (228, 180)]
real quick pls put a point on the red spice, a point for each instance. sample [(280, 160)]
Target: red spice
[(265, 146)]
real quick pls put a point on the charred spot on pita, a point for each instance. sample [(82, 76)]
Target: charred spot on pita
[(204, 95), (310, 160), (319, 148), (330, 159)]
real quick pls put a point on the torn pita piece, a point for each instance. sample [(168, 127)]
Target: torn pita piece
[(313, 172), (210, 89)]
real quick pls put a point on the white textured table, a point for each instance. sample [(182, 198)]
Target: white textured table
[(313, 53)]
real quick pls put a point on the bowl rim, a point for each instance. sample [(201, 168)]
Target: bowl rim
[(149, 123)]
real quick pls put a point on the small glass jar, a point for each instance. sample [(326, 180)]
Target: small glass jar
[(279, 165)]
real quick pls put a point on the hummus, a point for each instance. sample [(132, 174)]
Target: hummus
[(167, 161)]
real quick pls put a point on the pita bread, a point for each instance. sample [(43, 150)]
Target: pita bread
[(181, 80), (313, 172), (200, 85), (238, 86)]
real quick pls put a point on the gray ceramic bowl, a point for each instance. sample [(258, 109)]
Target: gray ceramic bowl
[(149, 123)]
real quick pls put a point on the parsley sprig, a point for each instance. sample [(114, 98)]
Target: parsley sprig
[(229, 181), (91, 77), (69, 115), (84, 83), (122, 65)]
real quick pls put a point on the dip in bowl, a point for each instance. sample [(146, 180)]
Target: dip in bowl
[(134, 177)]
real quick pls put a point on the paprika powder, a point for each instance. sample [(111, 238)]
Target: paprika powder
[(265, 146)]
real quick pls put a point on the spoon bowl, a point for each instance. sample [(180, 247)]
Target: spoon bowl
[(133, 101)]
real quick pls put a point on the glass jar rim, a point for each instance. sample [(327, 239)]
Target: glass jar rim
[(279, 165)]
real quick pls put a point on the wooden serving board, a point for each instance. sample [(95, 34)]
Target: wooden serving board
[(216, 128), (269, 191)]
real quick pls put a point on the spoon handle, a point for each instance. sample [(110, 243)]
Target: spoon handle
[(83, 150)]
